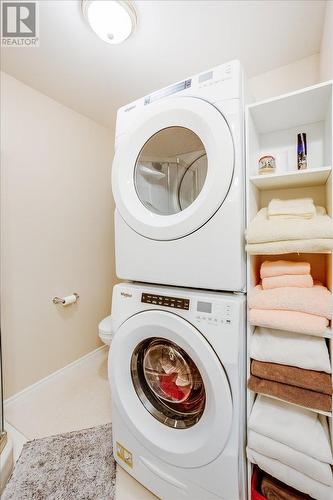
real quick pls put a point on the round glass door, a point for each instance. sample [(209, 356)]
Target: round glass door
[(174, 168), (168, 383), (170, 170)]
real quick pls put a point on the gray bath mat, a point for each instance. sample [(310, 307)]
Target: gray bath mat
[(73, 466)]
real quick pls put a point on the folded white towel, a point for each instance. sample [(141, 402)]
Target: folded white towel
[(288, 348), (319, 471), (296, 427), (263, 230), (302, 208), (290, 476)]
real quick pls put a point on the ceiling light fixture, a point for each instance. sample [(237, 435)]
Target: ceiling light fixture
[(113, 21)]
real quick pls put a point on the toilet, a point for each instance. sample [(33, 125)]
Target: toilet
[(105, 330)]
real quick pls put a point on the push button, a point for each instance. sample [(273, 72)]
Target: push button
[(162, 300)]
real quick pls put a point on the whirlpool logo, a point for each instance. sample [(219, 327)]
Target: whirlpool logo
[(125, 294), (20, 23)]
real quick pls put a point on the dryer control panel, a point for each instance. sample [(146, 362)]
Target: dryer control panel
[(217, 84), (166, 301)]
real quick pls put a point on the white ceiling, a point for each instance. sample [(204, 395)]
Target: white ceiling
[(173, 40)]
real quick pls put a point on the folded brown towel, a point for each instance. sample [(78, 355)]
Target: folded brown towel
[(291, 394), (273, 489), (299, 377)]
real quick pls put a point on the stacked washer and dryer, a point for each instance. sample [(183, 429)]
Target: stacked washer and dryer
[(177, 359)]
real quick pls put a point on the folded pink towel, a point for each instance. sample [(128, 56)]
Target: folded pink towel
[(295, 280), (279, 267), (293, 321), (315, 300)]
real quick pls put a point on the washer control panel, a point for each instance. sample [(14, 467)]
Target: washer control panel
[(215, 313), (166, 301)]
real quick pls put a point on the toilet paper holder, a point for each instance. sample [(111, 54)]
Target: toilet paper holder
[(64, 301)]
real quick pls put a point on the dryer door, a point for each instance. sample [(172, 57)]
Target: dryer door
[(173, 170), (170, 388)]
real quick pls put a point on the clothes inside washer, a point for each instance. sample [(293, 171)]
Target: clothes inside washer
[(169, 372), (170, 388), (181, 371)]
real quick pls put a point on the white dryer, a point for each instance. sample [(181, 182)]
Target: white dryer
[(177, 375), (178, 183)]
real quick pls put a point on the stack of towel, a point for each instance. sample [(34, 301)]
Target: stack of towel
[(288, 226), (292, 367), (291, 444), (287, 299), (289, 356), (290, 359)]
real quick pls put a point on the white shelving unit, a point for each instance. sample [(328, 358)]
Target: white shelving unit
[(271, 128)]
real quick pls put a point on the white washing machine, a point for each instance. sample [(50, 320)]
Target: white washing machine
[(178, 183), (177, 375)]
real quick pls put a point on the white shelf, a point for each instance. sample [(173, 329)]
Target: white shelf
[(298, 178), (307, 105)]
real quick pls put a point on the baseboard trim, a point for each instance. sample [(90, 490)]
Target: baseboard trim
[(52, 375)]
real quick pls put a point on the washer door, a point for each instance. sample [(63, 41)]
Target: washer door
[(170, 388), (174, 168)]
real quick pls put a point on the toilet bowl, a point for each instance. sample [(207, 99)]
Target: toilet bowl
[(105, 330)]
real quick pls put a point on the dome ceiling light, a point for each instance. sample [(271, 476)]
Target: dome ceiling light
[(113, 21)]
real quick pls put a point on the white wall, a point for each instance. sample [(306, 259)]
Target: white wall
[(326, 51), (57, 235), (299, 74)]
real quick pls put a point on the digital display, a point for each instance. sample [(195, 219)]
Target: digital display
[(204, 307), (162, 300), (168, 91), (205, 76)]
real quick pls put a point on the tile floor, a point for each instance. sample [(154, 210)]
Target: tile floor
[(76, 398)]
